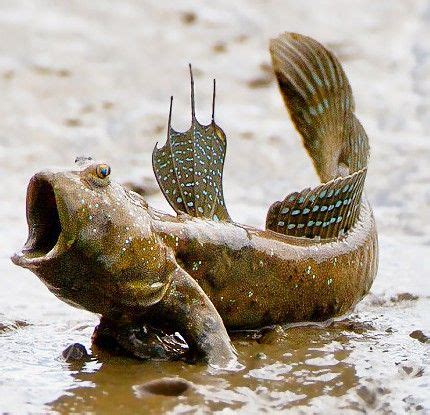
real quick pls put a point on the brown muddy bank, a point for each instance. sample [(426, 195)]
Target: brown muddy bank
[(95, 79)]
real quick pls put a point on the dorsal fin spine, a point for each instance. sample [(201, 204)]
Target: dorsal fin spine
[(193, 103), (193, 128), (213, 101), (169, 123)]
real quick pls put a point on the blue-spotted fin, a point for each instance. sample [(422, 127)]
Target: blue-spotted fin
[(189, 166), (319, 99), (325, 211)]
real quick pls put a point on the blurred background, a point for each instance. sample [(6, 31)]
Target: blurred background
[(94, 78)]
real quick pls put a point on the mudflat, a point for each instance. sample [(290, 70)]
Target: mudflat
[(94, 80)]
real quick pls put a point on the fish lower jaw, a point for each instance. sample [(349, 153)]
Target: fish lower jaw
[(31, 256), (48, 224)]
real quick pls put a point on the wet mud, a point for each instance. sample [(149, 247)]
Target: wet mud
[(94, 80)]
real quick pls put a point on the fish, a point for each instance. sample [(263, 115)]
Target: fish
[(99, 246)]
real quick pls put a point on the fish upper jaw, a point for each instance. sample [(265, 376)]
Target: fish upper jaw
[(50, 228)]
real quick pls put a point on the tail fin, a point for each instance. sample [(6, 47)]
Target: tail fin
[(319, 99)]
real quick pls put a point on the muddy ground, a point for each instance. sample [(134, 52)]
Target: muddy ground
[(94, 78)]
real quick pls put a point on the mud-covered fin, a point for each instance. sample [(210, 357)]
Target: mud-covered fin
[(325, 211), (319, 99), (189, 167)]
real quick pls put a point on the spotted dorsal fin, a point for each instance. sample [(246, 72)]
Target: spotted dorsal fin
[(325, 211), (189, 166), (319, 99)]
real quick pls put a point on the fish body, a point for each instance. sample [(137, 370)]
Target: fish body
[(99, 246), (257, 278)]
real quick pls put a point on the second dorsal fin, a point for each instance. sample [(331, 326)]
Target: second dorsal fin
[(189, 167), (325, 211)]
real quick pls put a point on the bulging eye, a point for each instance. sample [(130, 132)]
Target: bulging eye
[(102, 171)]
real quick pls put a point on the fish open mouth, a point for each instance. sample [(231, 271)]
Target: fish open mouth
[(44, 224)]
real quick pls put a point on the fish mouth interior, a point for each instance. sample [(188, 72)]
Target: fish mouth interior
[(44, 225)]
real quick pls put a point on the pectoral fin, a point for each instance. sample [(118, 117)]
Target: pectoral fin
[(191, 312)]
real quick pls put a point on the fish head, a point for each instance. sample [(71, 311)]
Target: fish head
[(90, 241)]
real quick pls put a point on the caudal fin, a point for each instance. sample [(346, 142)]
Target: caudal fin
[(319, 99)]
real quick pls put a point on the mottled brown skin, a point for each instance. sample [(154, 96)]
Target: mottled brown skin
[(148, 274), (133, 265), (257, 278)]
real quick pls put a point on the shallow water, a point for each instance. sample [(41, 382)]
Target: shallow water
[(95, 80)]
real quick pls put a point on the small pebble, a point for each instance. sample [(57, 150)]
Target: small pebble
[(75, 352), (420, 336), (219, 47)]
